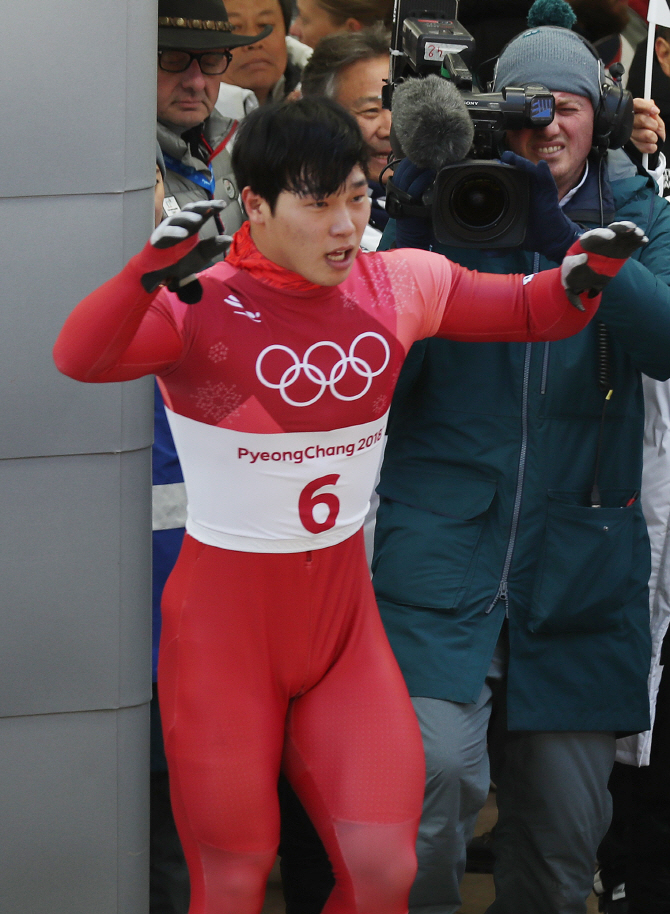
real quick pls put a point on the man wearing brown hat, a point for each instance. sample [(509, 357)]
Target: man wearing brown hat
[(194, 41)]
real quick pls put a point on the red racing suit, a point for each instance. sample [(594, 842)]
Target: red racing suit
[(272, 652)]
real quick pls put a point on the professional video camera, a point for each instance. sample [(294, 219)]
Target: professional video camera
[(475, 199)]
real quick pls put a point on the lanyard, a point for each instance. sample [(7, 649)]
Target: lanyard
[(191, 174)]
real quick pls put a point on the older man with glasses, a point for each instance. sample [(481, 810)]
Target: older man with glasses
[(194, 41)]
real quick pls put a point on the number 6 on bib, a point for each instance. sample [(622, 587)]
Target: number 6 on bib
[(308, 501)]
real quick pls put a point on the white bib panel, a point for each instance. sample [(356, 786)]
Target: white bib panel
[(286, 492)]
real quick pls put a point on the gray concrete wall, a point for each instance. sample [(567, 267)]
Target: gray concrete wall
[(77, 154)]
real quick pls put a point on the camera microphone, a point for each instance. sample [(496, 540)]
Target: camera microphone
[(431, 122)]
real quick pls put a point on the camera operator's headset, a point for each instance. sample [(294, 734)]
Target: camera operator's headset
[(613, 118)]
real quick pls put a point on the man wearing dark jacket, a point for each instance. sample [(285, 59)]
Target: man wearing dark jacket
[(512, 556)]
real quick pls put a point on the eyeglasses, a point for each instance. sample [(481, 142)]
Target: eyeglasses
[(211, 63)]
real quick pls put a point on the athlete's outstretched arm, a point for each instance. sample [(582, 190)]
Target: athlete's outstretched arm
[(444, 299), (113, 334), (544, 306)]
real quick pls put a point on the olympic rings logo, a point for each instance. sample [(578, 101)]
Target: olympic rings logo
[(317, 376)]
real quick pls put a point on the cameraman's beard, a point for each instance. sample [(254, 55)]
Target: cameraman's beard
[(598, 18)]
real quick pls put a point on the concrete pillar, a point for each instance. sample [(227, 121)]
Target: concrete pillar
[(77, 159)]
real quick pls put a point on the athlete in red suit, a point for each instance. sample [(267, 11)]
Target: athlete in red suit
[(278, 381)]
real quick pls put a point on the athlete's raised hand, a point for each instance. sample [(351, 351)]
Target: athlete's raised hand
[(596, 257), (187, 222), (177, 268)]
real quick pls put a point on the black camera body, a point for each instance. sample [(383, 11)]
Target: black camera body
[(426, 42), (482, 201), (477, 201)]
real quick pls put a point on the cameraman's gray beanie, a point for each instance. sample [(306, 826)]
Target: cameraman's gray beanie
[(552, 57)]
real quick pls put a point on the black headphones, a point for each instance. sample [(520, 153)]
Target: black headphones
[(613, 117), (613, 120)]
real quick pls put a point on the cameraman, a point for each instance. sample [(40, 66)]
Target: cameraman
[(512, 557)]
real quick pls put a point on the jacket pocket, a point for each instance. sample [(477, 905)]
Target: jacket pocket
[(426, 540), (585, 567)]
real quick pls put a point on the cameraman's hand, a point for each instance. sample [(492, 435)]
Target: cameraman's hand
[(178, 274), (550, 232), (413, 231)]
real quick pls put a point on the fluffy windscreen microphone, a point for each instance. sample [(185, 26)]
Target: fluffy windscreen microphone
[(431, 122)]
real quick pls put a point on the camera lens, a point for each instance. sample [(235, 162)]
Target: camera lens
[(479, 201)]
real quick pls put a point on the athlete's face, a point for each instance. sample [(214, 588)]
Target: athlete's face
[(315, 237)]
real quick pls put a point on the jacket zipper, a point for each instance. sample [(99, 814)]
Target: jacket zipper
[(502, 593)]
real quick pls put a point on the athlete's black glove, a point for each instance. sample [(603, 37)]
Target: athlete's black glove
[(596, 257), (179, 276)]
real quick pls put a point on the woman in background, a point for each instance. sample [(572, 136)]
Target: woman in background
[(318, 18)]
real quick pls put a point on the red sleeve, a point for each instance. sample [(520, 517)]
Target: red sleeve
[(117, 333), (438, 297), (488, 307)]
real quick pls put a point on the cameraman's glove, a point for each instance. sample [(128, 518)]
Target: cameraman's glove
[(413, 181), (550, 232), (598, 256), (178, 275)]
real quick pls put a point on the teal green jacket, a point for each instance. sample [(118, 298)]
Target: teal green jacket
[(486, 495)]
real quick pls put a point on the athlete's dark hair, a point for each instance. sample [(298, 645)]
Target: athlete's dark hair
[(307, 147)]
